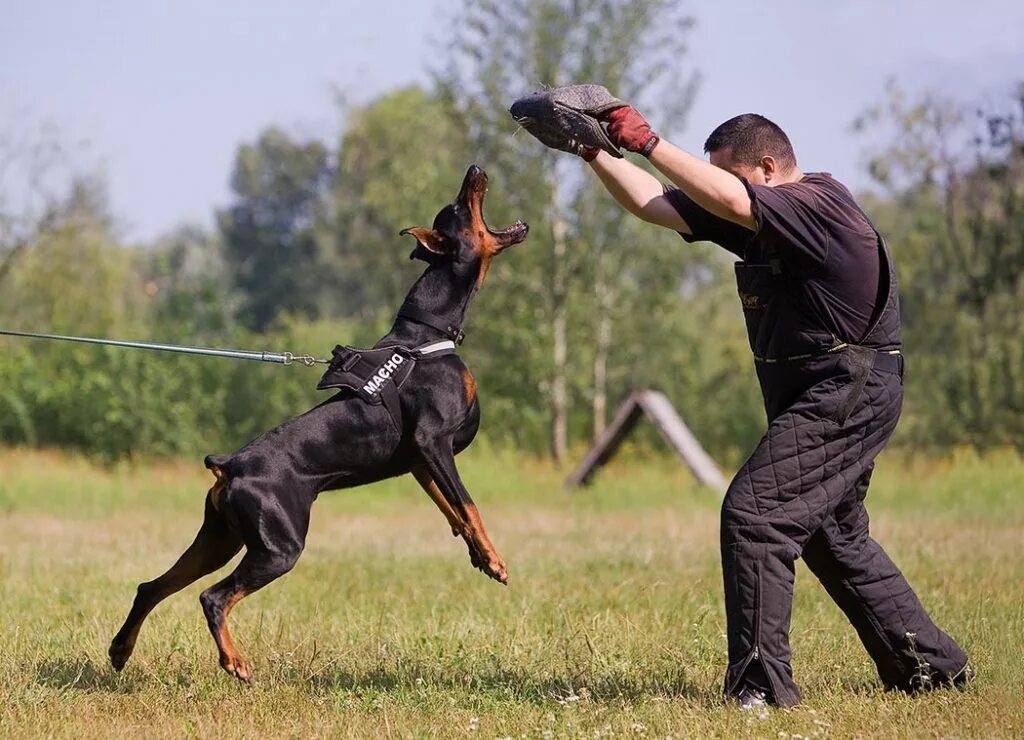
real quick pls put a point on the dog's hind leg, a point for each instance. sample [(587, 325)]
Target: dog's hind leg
[(256, 569), (275, 535), (440, 462), (214, 545)]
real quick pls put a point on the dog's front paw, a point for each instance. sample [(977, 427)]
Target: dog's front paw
[(483, 557), (495, 568)]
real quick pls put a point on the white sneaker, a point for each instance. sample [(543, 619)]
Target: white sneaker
[(751, 699)]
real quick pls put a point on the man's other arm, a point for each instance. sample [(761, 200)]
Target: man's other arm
[(712, 188), (638, 191)]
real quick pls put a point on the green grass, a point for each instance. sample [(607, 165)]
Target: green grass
[(612, 623)]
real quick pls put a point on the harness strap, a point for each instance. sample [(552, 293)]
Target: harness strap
[(389, 395), (446, 347), (417, 314), (377, 374)]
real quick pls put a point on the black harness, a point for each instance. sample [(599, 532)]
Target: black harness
[(376, 374)]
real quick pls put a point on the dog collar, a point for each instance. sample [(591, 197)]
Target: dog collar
[(417, 314)]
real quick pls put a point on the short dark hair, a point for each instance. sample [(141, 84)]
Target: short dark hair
[(751, 136)]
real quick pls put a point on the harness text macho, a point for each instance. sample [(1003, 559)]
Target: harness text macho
[(384, 372)]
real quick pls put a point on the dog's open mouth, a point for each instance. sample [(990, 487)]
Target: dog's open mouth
[(471, 196), (514, 234)]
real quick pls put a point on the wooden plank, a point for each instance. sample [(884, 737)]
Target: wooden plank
[(625, 419), (663, 415)]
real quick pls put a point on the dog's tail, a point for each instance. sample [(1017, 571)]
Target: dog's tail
[(216, 463)]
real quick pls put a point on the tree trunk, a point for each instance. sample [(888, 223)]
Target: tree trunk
[(602, 346), (559, 391), (8, 258)]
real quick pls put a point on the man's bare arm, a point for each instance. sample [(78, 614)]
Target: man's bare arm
[(712, 188), (715, 190), (638, 191)]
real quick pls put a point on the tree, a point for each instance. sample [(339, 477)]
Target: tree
[(400, 159), (269, 232), (503, 50), (954, 176), (35, 169), (185, 273)]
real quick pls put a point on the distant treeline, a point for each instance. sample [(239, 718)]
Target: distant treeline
[(595, 304)]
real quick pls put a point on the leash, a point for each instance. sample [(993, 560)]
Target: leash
[(281, 358), (408, 311)]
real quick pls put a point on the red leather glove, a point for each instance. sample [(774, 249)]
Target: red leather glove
[(630, 131)]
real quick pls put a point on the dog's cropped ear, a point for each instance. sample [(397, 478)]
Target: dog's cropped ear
[(428, 238)]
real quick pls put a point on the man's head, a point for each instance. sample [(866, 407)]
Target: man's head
[(752, 147)]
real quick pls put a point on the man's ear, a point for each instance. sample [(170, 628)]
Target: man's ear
[(428, 238), (770, 167)]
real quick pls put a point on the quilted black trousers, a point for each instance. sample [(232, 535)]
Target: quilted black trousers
[(801, 493)]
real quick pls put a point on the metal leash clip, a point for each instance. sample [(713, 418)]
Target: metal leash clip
[(307, 360)]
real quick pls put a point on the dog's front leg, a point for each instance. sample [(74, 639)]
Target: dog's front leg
[(423, 477), (440, 464), (455, 521)]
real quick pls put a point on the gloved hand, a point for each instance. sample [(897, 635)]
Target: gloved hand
[(566, 118), (630, 131)]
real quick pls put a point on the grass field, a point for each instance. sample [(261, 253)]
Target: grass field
[(612, 624)]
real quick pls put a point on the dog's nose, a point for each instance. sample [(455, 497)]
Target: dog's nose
[(474, 185), (476, 175)]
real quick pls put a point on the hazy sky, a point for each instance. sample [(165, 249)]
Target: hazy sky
[(163, 92)]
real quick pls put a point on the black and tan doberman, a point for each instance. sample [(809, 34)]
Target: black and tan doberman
[(427, 412)]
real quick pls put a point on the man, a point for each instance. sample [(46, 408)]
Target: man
[(819, 297)]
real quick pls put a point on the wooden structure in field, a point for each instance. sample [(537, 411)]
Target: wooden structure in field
[(656, 407)]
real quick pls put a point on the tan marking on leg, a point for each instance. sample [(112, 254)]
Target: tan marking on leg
[(469, 383), (230, 659), (213, 547), (494, 564), (454, 520), (218, 487), (491, 565)]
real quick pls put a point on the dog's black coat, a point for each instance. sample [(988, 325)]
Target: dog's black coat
[(265, 490)]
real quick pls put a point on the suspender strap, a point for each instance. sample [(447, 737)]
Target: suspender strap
[(774, 259), (862, 360), (414, 313)]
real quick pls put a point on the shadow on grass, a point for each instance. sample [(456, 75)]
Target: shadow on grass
[(494, 683), (82, 674), (511, 684)]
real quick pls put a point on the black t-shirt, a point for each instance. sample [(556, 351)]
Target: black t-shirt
[(819, 233)]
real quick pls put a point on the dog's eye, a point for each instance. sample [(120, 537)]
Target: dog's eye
[(444, 218)]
